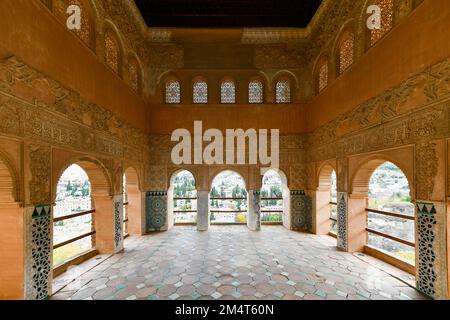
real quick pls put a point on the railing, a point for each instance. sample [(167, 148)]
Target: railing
[(227, 211), (71, 216), (271, 210), (388, 236), (184, 211), (333, 220)]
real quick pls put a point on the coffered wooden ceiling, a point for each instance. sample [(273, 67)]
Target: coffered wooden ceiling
[(227, 13)]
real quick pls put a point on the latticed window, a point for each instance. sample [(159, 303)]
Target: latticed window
[(173, 92), (283, 92), (112, 51), (255, 92), (200, 93), (134, 75), (387, 18), (227, 92), (323, 75), (84, 33), (346, 52)]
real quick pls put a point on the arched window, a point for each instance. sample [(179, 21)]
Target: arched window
[(112, 52), (387, 19), (200, 92), (390, 213), (272, 198), (255, 92), (184, 198), (228, 92), (228, 199), (283, 91), (134, 74), (322, 75), (173, 92), (73, 196), (346, 50)]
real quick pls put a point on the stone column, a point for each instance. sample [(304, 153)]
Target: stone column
[(136, 213), (321, 223), (202, 210), (356, 222), (254, 211), (107, 212), (156, 211)]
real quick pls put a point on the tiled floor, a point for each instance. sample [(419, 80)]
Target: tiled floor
[(231, 262)]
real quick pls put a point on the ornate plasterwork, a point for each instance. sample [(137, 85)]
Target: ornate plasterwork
[(425, 169), (165, 56), (39, 185), (273, 35), (395, 117), (159, 35)]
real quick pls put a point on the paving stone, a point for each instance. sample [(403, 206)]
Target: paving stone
[(242, 265)]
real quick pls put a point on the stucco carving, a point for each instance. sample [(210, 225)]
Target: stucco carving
[(39, 185)]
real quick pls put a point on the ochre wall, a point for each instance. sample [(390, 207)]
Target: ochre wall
[(289, 118), (418, 41), (29, 31)]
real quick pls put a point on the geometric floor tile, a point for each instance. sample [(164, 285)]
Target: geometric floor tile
[(232, 262)]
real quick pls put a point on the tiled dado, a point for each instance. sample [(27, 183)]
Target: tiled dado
[(38, 253), (156, 210), (342, 226), (431, 273), (254, 210), (118, 222), (301, 210)]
